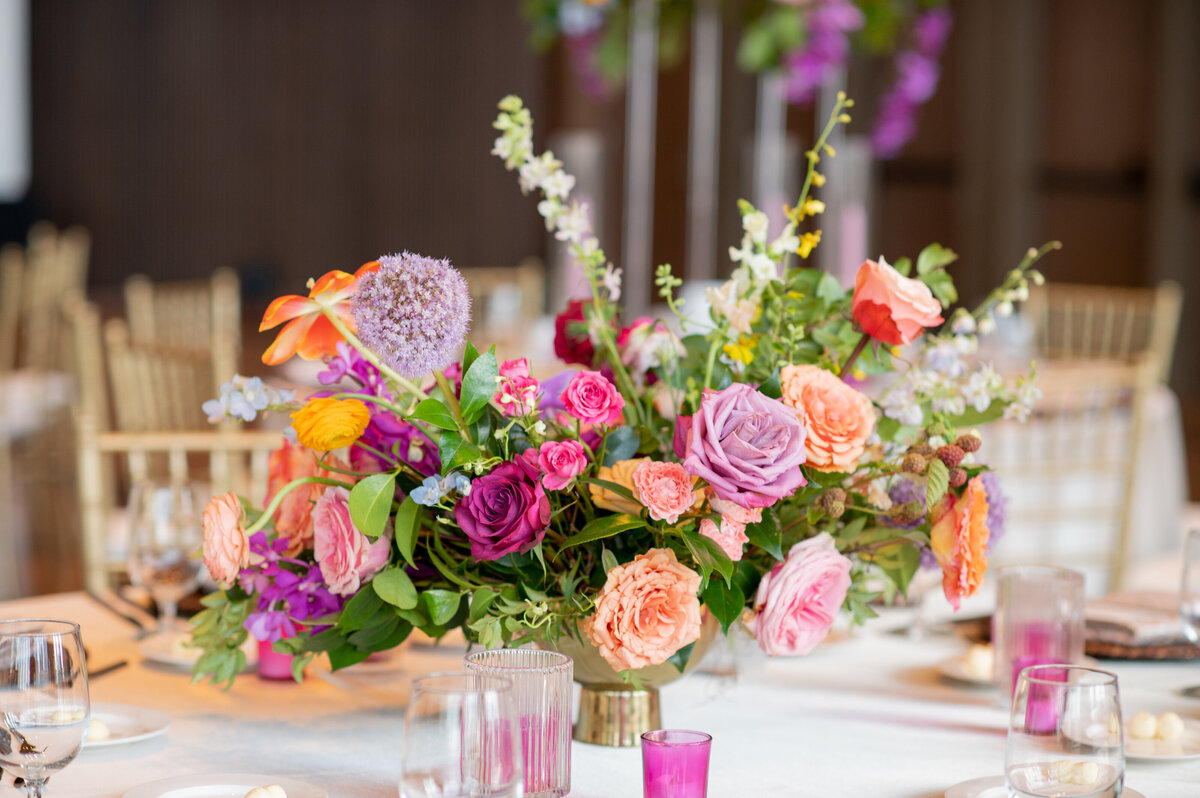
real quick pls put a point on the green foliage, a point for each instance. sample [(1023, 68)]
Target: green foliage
[(708, 555), (371, 503), (406, 529), (937, 481), (604, 526), (725, 601), (219, 631), (436, 413), (778, 31), (621, 444), (395, 587), (479, 385)]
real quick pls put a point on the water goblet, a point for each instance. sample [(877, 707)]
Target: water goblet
[(461, 738), (1065, 735), (1038, 620), (44, 706), (165, 537)]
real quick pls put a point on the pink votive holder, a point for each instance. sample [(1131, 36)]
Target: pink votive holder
[(675, 763), (272, 664)]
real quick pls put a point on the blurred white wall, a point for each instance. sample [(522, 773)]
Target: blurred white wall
[(15, 158)]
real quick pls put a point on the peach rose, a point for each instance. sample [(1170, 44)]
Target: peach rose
[(730, 535), (226, 547), (959, 541), (293, 519), (838, 418), (665, 489), (891, 307), (347, 557), (799, 598), (646, 611)]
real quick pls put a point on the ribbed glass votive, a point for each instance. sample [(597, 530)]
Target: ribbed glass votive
[(541, 686)]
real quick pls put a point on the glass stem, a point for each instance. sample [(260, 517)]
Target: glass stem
[(33, 788), (168, 611)]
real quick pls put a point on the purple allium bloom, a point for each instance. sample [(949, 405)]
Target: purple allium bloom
[(414, 312), (997, 506), (931, 29), (917, 74)]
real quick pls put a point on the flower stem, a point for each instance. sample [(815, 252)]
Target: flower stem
[(813, 156), (862, 344), (288, 488)]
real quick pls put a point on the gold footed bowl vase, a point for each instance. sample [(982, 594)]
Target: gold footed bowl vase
[(614, 712)]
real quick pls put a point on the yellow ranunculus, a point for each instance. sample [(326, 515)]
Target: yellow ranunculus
[(326, 424)]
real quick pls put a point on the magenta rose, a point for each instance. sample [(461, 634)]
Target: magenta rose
[(746, 445), (560, 462), (593, 399), (799, 599), (506, 511)]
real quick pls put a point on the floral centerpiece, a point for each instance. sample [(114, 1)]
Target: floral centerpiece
[(741, 470)]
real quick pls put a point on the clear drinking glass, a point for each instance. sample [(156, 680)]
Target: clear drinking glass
[(542, 692), (44, 706), (1189, 592), (165, 537), (1038, 620), (461, 738), (1065, 734), (675, 763)]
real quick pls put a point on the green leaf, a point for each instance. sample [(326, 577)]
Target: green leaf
[(372, 637), (359, 610), (604, 527), (481, 600), (612, 487), (621, 444), (899, 562), (440, 605), (725, 602), (937, 480), (346, 656), (942, 286), (608, 560), (682, 657), (371, 503), (394, 587), (436, 413), (408, 523), (708, 555), (934, 256), (829, 289), (904, 266), (454, 450), (772, 387), (470, 355), (479, 385), (767, 536)]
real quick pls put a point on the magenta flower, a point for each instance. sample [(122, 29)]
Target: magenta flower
[(506, 511), (746, 445), (593, 399), (560, 462)]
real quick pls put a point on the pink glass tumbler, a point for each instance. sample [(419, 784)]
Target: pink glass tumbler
[(273, 665), (1038, 620), (675, 763)]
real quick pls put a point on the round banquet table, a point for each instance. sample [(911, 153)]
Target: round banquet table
[(864, 715)]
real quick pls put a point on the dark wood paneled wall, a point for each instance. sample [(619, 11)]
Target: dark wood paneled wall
[(283, 137)]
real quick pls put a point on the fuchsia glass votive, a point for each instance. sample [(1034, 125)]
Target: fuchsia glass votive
[(675, 763), (272, 664), (1038, 620)]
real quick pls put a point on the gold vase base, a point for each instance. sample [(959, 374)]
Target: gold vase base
[(616, 716)]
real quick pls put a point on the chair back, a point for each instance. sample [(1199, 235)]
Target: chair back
[(55, 267), (200, 316), (1097, 322)]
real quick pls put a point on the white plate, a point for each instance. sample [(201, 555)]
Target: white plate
[(1186, 747), (993, 787), (127, 724), (168, 648), (234, 785), (955, 668)]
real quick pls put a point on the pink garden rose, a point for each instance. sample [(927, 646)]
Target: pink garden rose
[(226, 548), (293, 519), (560, 462), (837, 419), (746, 445), (592, 399), (347, 557), (891, 307), (665, 489), (646, 611), (506, 511), (730, 535), (799, 599)]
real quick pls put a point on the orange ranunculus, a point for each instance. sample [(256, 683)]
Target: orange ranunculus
[(308, 333), (293, 519), (959, 540), (325, 423)]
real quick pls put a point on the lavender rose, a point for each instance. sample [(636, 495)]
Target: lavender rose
[(747, 446), (506, 511)]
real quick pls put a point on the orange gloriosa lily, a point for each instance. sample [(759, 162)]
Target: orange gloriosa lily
[(309, 333)]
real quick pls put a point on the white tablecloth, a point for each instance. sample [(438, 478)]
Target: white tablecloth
[(865, 716)]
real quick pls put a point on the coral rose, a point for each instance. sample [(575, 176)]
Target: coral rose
[(730, 535), (837, 419), (959, 539), (293, 519), (646, 611), (593, 399), (665, 489), (560, 462), (891, 307), (347, 558), (226, 548), (799, 599), (746, 445), (620, 473), (325, 424)]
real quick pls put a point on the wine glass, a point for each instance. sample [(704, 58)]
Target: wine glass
[(461, 738), (44, 706), (1189, 590), (1065, 735), (165, 538)]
